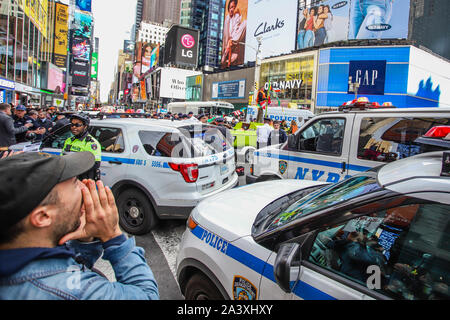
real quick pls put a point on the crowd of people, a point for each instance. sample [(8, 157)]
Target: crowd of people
[(19, 123)]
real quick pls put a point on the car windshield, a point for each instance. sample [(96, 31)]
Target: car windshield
[(325, 197)]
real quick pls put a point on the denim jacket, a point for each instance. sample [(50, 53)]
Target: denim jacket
[(58, 274)]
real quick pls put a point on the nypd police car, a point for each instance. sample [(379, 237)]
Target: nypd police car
[(157, 169), (381, 234), (336, 145)]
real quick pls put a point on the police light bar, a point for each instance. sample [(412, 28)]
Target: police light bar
[(442, 132), (363, 103)]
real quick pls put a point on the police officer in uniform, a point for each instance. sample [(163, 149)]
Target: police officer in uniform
[(83, 141)]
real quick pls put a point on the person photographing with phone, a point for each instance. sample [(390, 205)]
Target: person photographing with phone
[(83, 141), (54, 227)]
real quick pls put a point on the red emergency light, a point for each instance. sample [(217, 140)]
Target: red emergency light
[(439, 132)]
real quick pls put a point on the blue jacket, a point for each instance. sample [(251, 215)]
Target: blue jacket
[(58, 274)]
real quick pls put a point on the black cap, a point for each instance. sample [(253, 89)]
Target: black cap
[(27, 178), (220, 120)]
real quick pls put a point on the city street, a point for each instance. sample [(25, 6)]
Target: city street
[(161, 248), (280, 150)]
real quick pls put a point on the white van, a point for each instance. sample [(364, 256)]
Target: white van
[(335, 145), (277, 113), (199, 107)]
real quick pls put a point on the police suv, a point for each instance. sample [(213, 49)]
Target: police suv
[(381, 234), (157, 169), (335, 145)]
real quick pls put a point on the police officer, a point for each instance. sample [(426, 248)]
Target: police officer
[(83, 141)]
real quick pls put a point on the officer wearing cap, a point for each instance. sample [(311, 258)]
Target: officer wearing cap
[(83, 141), (22, 120)]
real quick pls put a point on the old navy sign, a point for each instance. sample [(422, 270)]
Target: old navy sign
[(370, 74)]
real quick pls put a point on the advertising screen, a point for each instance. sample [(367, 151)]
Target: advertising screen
[(81, 73), (128, 46), (81, 48), (142, 63), (338, 20), (387, 19), (187, 47), (371, 76), (274, 22), (234, 33), (324, 23), (55, 79), (82, 25), (173, 82), (84, 5), (60, 35), (94, 67), (234, 89)]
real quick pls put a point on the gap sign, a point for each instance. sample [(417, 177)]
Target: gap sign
[(370, 74)]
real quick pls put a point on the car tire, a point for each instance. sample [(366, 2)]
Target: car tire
[(199, 287), (136, 213)]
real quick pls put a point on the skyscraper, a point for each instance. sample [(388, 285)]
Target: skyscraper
[(159, 11), (205, 16)]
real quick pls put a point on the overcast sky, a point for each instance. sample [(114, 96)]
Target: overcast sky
[(113, 22)]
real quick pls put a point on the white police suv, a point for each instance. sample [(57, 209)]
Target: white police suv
[(381, 234), (335, 145), (157, 169)]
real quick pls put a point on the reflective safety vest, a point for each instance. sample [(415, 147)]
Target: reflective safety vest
[(88, 143)]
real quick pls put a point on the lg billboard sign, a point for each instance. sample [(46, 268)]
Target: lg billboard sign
[(187, 41), (181, 46)]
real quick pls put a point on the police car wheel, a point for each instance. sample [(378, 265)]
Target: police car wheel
[(136, 214), (199, 287)]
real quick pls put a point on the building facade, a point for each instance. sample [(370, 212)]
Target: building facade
[(150, 32), (26, 51), (429, 25), (207, 17)]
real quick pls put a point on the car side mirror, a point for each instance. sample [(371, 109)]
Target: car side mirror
[(291, 141), (287, 266)]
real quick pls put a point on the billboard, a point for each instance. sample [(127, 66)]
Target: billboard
[(234, 33), (94, 66), (370, 74), (324, 23), (128, 46), (81, 48), (55, 79), (81, 73), (142, 63), (274, 24), (60, 35), (82, 26), (84, 5), (387, 19), (338, 20), (37, 11), (234, 89), (173, 82), (181, 46)]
